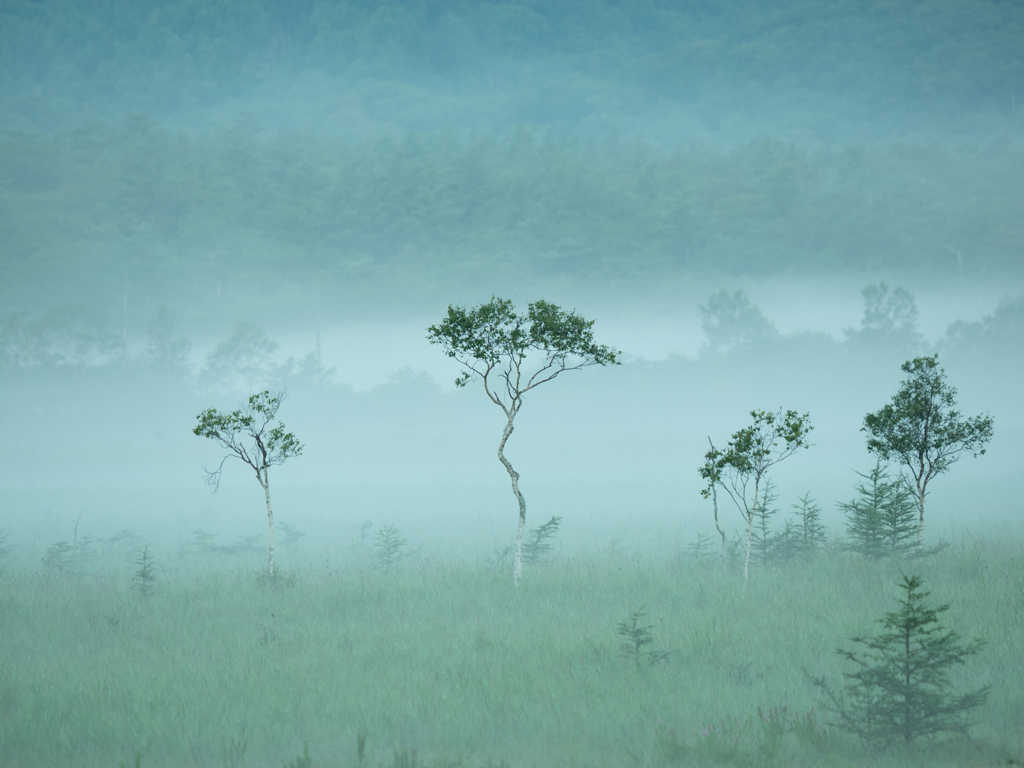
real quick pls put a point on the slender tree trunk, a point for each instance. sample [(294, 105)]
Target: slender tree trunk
[(714, 500), (750, 535), (921, 509), (517, 563), (265, 482), (746, 564)]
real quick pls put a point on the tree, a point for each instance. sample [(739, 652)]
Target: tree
[(732, 321), (492, 342), (763, 543), (253, 434), (741, 467), (921, 429), (900, 690), (880, 523), (809, 528), (889, 322), (243, 361)]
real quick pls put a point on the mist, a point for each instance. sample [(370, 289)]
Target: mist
[(760, 208)]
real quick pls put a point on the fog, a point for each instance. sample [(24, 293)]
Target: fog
[(388, 438), (759, 206)]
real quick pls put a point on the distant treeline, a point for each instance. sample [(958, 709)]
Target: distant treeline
[(81, 211), (891, 65), (71, 345)]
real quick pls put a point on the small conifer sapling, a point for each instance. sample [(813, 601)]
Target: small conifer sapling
[(900, 690)]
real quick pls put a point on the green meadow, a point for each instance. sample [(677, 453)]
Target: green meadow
[(447, 664)]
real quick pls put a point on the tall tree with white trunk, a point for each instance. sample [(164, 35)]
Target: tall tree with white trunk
[(922, 430), (741, 467), (492, 342), (253, 434)]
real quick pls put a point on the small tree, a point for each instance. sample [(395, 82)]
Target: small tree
[(900, 689), (253, 434), (492, 342), (539, 545), (921, 429), (388, 550), (144, 579), (740, 469), (881, 521), (765, 510), (809, 529)]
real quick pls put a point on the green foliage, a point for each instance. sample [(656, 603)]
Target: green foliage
[(900, 690), (921, 428), (492, 336), (882, 521), (389, 548), (144, 578), (753, 450), (269, 446), (539, 543), (742, 466)]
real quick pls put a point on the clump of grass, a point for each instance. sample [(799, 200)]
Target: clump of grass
[(5, 549), (303, 760), (233, 751), (275, 580)]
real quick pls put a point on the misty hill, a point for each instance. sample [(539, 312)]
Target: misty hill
[(668, 70)]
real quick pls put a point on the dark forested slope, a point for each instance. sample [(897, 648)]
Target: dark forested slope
[(828, 70)]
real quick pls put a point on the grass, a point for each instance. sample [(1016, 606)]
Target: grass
[(448, 664)]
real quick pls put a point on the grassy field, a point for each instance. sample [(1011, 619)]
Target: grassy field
[(445, 663)]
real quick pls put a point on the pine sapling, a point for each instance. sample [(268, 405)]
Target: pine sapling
[(900, 690), (144, 580), (637, 641), (882, 521), (810, 529), (539, 544), (388, 549)]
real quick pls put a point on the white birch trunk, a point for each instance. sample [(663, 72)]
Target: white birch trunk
[(265, 482), (920, 510), (750, 535), (714, 499), (517, 563)]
